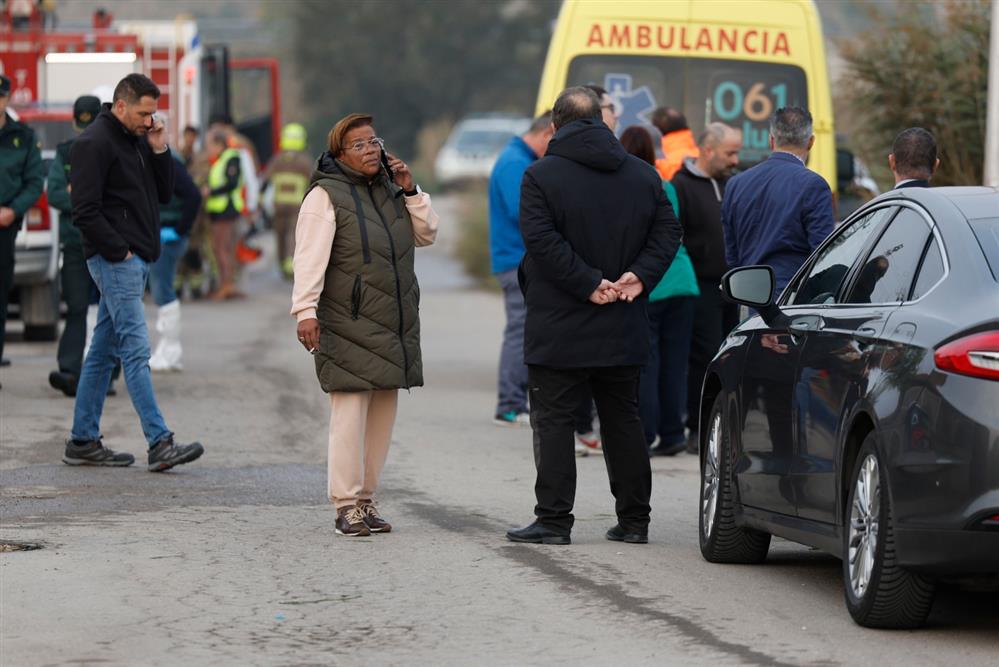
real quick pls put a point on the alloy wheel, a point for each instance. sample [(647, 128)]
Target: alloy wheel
[(710, 485), (864, 517)]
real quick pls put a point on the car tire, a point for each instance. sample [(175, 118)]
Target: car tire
[(722, 540), (41, 332), (879, 593)]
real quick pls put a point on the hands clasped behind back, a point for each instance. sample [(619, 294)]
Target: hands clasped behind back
[(627, 288)]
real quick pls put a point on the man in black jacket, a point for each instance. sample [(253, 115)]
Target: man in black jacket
[(700, 184), (121, 170), (913, 159), (590, 214)]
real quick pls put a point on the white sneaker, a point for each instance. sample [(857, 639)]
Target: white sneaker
[(581, 449), (590, 442)]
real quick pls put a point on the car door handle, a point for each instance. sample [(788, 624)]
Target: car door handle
[(865, 335), (802, 325)]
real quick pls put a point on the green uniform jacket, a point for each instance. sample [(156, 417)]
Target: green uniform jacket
[(369, 309), (58, 191), (679, 279), (22, 173)]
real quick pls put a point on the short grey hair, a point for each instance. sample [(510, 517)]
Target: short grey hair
[(714, 134), (575, 103), (541, 123), (791, 126)]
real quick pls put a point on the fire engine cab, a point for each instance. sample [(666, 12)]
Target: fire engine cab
[(49, 69)]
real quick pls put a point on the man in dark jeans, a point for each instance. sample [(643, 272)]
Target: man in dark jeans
[(22, 176), (700, 186), (599, 234), (121, 170)]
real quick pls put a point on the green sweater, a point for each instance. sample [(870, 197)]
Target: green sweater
[(679, 279)]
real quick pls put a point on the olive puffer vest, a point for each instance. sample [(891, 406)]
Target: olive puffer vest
[(369, 308)]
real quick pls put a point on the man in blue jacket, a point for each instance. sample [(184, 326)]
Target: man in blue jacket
[(507, 248), (779, 211)]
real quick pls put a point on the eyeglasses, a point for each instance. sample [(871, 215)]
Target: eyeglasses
[(361, 146)]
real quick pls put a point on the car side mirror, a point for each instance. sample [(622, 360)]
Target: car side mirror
[(751, 286)]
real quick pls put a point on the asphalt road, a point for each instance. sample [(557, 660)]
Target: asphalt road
[(233, 560)]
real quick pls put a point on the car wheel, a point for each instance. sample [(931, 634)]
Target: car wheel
[(41, 332), (879, 593), (722, 540)]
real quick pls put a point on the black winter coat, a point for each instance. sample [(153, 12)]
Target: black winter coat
[(118, 185), (700, 201), (588, 211)]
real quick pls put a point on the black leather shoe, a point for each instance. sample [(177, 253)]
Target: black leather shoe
[(619, 534), (538, 534), (64, 382)]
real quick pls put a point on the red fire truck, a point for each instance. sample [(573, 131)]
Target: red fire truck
[(50, 69)]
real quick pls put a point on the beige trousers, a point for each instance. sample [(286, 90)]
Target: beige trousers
[(360, 431)]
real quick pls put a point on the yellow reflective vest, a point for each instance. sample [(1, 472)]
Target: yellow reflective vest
[(218, 178)]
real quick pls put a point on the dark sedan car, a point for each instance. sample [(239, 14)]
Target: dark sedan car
[(859, 414)]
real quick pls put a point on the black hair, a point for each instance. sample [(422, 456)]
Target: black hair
[(668, 119), (134, 87), (915, 152)]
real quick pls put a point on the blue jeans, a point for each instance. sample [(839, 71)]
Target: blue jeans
[(120, 333), (662, 390), (163, 271), (512, 383)]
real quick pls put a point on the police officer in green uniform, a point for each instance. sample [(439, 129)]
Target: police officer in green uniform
[(76, 282), (22, 176)]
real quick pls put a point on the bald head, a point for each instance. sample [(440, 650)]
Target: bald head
[(573, 104), (719, 147)]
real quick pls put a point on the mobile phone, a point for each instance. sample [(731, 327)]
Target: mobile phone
[(385, 164)]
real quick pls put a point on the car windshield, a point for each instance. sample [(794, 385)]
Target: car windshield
[(482, 141), (737, 93)]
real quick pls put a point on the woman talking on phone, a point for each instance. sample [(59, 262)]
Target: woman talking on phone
[(356, 300)]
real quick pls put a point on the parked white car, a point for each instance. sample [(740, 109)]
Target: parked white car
[(473, 146)]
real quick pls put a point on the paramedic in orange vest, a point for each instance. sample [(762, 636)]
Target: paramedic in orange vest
[(678, 141)]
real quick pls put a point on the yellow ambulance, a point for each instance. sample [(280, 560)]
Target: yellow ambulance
[(733, 61)]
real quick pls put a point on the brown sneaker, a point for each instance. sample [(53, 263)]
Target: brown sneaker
[(350, 522), (372, 520)]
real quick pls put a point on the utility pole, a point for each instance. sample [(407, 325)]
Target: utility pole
[(992, 106)]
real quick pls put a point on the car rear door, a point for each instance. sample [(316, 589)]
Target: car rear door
[(843, 348)]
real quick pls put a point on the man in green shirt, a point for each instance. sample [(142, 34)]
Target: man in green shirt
[(22, 176)]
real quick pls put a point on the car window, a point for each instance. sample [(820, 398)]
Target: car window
[(987, 232), (831, 265), (930, 272), (890, 267)]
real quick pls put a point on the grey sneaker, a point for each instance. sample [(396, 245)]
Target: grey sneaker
[(94, 453), (167, 454)]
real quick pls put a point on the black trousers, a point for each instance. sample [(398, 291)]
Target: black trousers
[(713, 319), (7, 236), (76, 287), (556, 394)]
